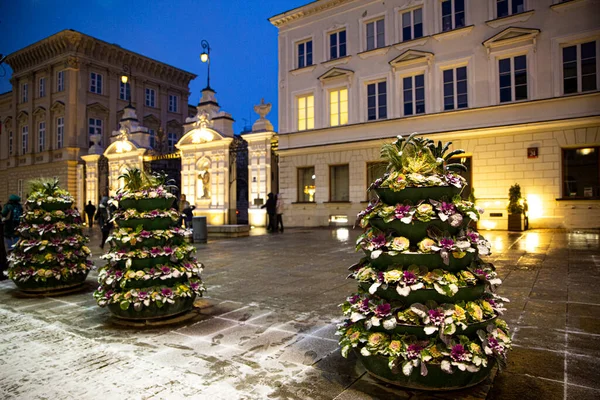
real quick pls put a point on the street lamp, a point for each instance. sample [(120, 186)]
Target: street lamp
[(125, 78), (205, 57)]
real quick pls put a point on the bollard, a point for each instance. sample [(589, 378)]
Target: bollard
[(200, 232)]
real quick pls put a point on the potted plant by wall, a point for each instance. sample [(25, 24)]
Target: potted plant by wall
[(516, 210)]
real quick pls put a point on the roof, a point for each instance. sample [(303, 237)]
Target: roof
[(305, 10), (71, 41)]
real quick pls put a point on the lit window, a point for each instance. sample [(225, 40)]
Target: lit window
[(42, 87), (60, 81), (306, 184), (375, 34), (412, 24), (150, 97), (413, 91), (95, 83), (24, 92), (512, 73), (455, 88), (581, 172), (42, 136), (306, 112), (24, 139), (509, 7), (337, 44), (171, 141), (453, 14), (579, 68), (305, 54), (173, 100), (338, 107), (377, 101), (339, 183), (60, 132), (124, 91)]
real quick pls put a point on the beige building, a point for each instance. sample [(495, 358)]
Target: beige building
[(514, 83), (68, 87)]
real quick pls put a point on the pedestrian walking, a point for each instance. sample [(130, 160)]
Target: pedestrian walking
[(271, 206), (90, 210), (3, 259), (188, 214), (279, 212), (182, 206), (104, 217), (11, 218)]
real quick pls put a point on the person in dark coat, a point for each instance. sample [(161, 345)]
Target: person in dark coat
[(11, 217), (271, 206), (90, 210), (104, 216)]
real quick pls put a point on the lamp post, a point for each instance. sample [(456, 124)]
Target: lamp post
[(125, 78), (205, 57)]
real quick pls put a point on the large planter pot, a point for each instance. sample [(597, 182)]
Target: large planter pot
[(415, 231), (429, 260), (467, 293), (147, 223), (181, 305), (147, 204), (416, 194), (53, 206), (516, 222), (436, 379), (149, 243), (419, 330), (51, 284), (141, 263)]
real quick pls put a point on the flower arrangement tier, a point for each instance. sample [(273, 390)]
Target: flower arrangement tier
[(425, 315), (51, 254), (151, 271)]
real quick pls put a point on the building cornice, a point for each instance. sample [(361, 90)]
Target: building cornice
[(73, 43), (295, 14)]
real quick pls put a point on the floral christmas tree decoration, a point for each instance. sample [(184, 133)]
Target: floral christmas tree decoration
[(425, 315), (151, 270), (51, 254)]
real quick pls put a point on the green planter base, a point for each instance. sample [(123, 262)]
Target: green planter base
[(53, 206), (147, 223), (147, 204), (416, 194), (467, 293), (180, 306), (140, 263), (430, 260), (138, 284), (415, 231), (51, 284), (436, 379)]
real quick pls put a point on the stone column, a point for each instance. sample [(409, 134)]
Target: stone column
[(80, 188), (73, 117)]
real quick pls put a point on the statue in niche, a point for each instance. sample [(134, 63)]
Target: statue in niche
[(203, 180)]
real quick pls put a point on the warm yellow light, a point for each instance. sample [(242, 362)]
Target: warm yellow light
[(338, 219), (123, 146), (534, 206), (202, 135), (341, 234), (532, 241), (487, 224), (585, 152), (310, 191), (124, 78), (204, 57)]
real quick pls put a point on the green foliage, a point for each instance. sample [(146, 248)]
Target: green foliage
[(514, 200), (136, 180)]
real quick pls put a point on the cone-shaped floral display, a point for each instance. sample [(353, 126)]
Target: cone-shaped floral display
[(151, 270), (51, 254), (425, 315)]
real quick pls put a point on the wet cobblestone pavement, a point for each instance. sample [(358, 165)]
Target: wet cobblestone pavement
[(265, 329)]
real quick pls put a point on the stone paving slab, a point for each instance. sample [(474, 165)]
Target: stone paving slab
[(266, 328)]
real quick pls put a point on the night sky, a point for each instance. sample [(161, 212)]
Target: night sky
[(243, 42)]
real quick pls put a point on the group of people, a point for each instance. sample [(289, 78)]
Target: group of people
[(274, 206), (11, 217)]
